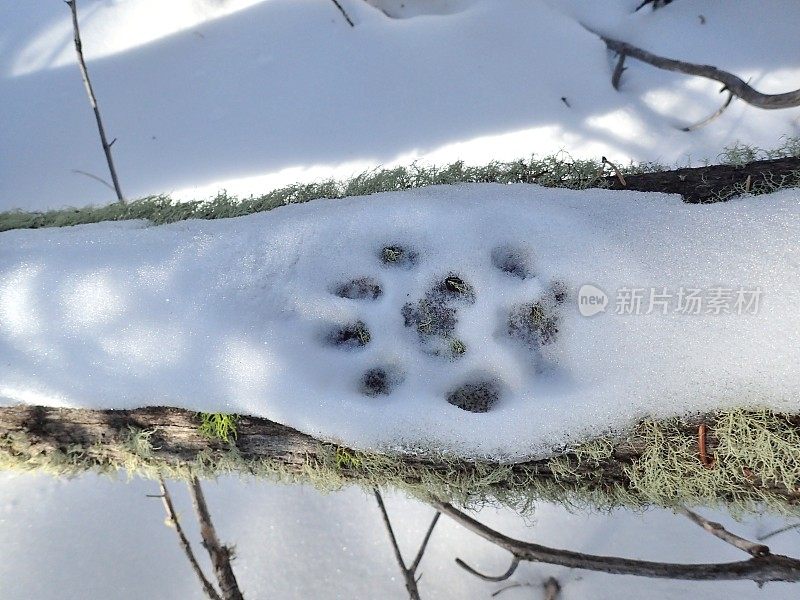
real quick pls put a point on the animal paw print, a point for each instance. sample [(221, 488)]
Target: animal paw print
[(434, 319)]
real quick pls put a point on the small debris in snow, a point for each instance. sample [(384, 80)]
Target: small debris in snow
[(363, 288)]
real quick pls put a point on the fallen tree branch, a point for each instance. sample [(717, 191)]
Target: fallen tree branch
[(172, 520), (719, 531), (92, 98), (735, 85), (759, 569), (40, 437), (714, 183)]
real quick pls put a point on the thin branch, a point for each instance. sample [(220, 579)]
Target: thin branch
[(778, 531), (510, 586), (737, 86), (388, 525), (711, 117), (95, 177), (702, 438), (717, 530), (760, 569), (344, 14), (409, 573), (92, 98), (616, 170), (220, 555), (618, 70), (503, 577), (656, 4), (172, 519), (425, 540)]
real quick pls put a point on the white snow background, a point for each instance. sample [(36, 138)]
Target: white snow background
[(207, 94), (247, 95)]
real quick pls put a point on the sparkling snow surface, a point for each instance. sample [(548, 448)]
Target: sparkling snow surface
[(241, 315)]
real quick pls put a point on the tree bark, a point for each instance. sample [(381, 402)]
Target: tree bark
[(176, 440), (716, 182)]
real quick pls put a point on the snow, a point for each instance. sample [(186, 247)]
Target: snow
[(237, 315), (95, 538), (248, 96)]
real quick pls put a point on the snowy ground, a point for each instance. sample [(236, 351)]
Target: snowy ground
[(244, 95), (93, 538), (247, 95)]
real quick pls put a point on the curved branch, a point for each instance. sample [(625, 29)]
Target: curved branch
[(711, 117), (760, 569), (503, 577), (719, 531), (737, 86)]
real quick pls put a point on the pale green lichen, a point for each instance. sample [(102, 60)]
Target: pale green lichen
[(753, 452)]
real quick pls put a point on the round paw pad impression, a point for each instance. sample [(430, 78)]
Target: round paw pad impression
[(475, 396), (354, 335), (380, 381)]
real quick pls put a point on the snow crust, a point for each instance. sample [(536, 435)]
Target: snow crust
[(242, 315)]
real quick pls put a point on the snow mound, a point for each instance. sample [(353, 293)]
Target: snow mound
[(447, 318)]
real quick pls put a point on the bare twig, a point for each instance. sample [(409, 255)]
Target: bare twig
[(710, 118), (220, 555), (616, 170), (344, 14), (409, 573), (656, 4), (172, 519), (95, 177), (503, 577), (717, 530), (772, 567), (735, 85), (618, 70), (551, 588), (702, 438), (92, 98), (425, 540), (783, 529)]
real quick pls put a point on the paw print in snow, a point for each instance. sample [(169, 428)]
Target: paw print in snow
[(434, 318)]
